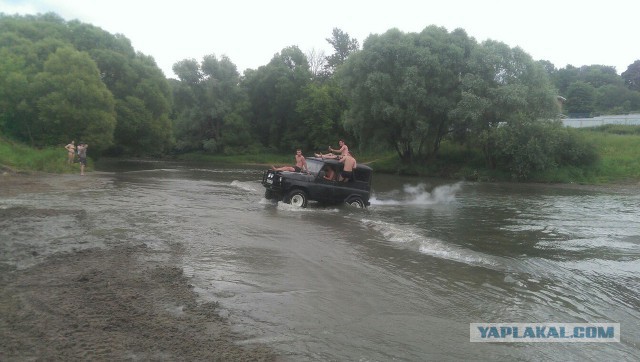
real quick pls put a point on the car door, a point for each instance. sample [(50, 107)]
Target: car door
[(322, 189), (341, 189)]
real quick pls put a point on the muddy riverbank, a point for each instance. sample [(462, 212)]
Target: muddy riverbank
[(119, 302)]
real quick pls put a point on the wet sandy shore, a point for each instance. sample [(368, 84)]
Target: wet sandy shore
[(105, 303)]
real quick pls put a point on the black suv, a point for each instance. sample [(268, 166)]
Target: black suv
[(297, 188)]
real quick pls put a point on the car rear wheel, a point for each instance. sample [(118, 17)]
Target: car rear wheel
[(297, 198), (356, 202)]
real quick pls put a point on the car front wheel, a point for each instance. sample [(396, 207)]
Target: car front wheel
[(297, 198), (356, 202)]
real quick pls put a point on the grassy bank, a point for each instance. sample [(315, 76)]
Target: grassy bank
[(618, 148), (16, 157)]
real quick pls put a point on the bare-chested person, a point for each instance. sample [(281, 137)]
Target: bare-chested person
[(349, 165), (71, 151), (301, 164), (330, 174), (82, 155), (342, 151)]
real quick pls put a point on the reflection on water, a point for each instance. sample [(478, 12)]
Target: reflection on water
[(400, 280)]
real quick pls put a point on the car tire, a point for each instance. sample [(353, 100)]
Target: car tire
[(356, 201), (268, 194), (297, 198)]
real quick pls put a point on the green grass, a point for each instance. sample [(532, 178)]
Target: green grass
[(619, 155), (20, 158), (618, 148)]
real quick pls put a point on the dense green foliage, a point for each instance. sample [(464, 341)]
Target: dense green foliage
[(211, 110), (412, 94), (274, 91), (534, 147), (597, 89), (62, 81), (402, 88), (617, 149)]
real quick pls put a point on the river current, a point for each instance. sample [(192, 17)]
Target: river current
[(401, 280)]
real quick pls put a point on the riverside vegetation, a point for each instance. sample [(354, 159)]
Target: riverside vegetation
[(17, 157), (436, 102), (616, 149)]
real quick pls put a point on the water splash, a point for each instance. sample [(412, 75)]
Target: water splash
[(243, 186), (314, 208), (408, 237), (418, 195)]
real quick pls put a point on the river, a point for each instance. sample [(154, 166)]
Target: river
[(401, 280)]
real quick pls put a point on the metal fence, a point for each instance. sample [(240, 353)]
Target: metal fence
[(626, 119)]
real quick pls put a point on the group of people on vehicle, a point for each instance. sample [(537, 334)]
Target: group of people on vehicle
[(342, 154)]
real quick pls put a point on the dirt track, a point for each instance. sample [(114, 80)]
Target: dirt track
[(106, 304)]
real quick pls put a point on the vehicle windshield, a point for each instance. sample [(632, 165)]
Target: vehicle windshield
[(314, 166)]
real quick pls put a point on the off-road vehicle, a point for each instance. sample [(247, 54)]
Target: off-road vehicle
[(297, 188)]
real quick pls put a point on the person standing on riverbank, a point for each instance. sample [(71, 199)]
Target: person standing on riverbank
[(71, 151), (82, 154)]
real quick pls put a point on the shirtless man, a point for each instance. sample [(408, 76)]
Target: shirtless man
[(330, 174), (82, 154), (349, 165), (301, 164), (71, 151), (343, 150)]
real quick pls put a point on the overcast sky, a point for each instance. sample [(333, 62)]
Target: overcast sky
[(251, 32)]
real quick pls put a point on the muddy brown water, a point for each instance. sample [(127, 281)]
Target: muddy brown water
[(401, 280)]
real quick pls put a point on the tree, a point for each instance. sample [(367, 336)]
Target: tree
[(549, 68), (581, 98), (32, 41), (572, 83), (317, 62), (501, 85), (320, 111), (188, 71), (211, 108), (14, 86), (72, 102), (539, 145), (616, 99), (274, 91), (343, 46), (631, 76), (143, 103), (402, 87), (600, 75), (563, 78)]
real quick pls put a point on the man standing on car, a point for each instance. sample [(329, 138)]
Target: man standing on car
[(349, 166)]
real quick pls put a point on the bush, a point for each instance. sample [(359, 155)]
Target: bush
[(537, 146)]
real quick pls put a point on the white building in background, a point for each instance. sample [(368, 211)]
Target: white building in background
[(627, 119)]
